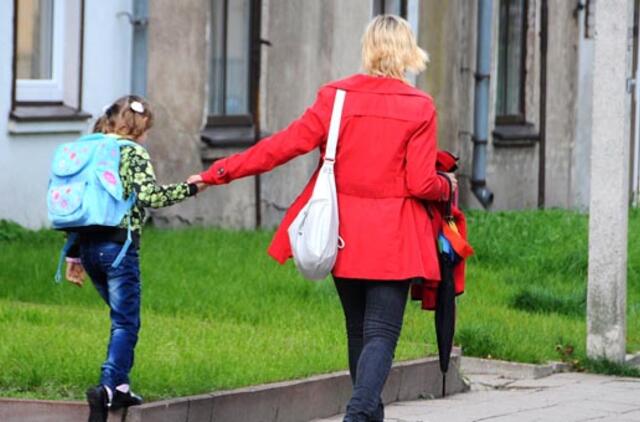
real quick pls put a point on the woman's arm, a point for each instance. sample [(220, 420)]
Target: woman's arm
[(421, 177), (143, 182), (303, 135)]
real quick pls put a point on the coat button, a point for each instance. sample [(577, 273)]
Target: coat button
[(220, 171)]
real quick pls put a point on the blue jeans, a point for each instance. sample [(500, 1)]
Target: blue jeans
[(120, 289), (373, 311)]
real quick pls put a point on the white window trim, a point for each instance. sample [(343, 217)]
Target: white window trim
[(48, 90)]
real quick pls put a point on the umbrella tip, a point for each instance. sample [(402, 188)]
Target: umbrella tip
[(444, 385)]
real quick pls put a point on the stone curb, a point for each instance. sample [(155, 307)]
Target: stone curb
[(291, 401), (513, 370)]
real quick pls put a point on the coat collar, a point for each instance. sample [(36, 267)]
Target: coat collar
[(376, 84)]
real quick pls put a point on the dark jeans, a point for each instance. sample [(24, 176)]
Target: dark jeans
[(373, 311), (120, 289)]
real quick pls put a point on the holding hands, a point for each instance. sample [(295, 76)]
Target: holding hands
[(196, 179)]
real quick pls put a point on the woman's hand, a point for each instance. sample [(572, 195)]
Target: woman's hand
[(75, 273), (196, 179), (454, 181)]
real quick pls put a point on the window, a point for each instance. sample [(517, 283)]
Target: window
[(47, 60), (38, 58), (510, 97), (392, 7), (234, 71)]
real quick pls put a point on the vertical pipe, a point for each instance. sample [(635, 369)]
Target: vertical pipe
[(636, 115), (544, 32), (81, 56), (256, 48), (14, 64), (225, 39), (481, 103), (139, 51)]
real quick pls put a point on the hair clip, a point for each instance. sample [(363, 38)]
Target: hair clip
[(137, 107)]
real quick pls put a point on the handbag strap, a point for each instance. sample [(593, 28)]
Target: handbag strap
[(334, 126)]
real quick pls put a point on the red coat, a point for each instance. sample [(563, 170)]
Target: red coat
[(385, 166)]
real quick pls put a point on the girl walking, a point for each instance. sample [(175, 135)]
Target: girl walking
[(97, 247)]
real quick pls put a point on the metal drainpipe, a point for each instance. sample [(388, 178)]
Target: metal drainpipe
[(481, 104), (140, 21), (544, 41)]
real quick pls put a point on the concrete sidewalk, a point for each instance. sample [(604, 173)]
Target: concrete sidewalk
[(562, 397)]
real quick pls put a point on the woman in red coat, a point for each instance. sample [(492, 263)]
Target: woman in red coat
[(385, 167)]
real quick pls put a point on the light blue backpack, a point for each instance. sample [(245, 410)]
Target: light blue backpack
[(85, 189)]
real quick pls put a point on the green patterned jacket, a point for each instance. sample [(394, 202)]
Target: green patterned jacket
[(138, 176)]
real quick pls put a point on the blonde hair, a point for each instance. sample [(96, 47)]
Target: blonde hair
[(389, 48), (129, 117)]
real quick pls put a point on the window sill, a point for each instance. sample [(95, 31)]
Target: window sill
[(228, 136), (34, 119), (218, 142), (515, 135)]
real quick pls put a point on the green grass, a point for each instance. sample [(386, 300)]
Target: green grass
[(219, 313)]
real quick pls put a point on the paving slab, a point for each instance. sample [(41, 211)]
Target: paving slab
[(562, 397)]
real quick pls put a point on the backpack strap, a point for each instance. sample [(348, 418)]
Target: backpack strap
[(71, 239), (130, 202)]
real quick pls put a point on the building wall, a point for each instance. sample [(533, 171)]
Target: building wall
[(312, 43), (178, 35), (448, 31), (24, 158), (561, 161)]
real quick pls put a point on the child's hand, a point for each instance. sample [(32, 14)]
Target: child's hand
[(75, 273)]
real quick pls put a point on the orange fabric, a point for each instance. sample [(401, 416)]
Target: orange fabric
[(458, 243)]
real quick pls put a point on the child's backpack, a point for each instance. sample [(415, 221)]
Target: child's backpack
[(85, 188)]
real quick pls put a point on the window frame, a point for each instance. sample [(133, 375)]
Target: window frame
[(67, 107), (379, 7), (248, 119), (520, 117), (46, 90)]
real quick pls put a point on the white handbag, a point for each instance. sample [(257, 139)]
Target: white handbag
[(314, 232)]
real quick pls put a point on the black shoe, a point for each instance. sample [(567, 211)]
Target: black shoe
[(378, 416), (98, 404), (127, 399)]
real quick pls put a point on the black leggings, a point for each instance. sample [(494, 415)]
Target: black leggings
[(373, 311)]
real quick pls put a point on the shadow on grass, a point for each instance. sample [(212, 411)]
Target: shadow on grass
[(541, 300)]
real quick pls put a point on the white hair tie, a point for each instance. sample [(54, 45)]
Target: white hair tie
[(137, 107)]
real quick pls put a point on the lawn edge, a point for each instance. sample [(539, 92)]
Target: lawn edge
[(288, 401)]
